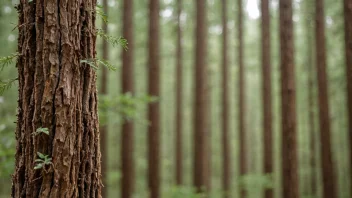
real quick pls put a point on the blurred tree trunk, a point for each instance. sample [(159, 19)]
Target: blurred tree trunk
[(104, 91), (348, 45), (154, 108), (57, 93), (288, 103), (127, 140), (267, 104), (200, 168), (225, 106), (242, 98), (329, 186), (179, 95)]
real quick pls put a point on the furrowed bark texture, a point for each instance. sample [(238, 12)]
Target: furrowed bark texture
[(104, 91), (329, 184), (225, 107), (266, 91), (57, 93), (288, 103), (348, 48), (127, 144), (200, 166), (154, 108), (242, 98), (179, 95)]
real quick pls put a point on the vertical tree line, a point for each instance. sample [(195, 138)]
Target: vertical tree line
[(288, 103), (200, 166), (127, 140), (329, 188), (266, 90), (154, 108), (225, 106)]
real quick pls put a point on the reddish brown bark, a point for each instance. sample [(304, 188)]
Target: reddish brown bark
[(348, 48), (329, 186), (267, 104), (200, 166), (154, 108), (127, 140), (242, 98), (57, 93), (104, 91), (226, 182), (288, 103), (179, 123)]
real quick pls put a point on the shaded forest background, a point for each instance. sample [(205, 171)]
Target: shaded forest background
[(113, 108)]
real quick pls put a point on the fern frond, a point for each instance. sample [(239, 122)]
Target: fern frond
[(7, 60), (5, 85), (113, 40), (94, 63)]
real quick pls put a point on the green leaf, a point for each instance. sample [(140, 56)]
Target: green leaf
[(7, 60), (41, 155), (6, 85), (113, 40), (106, 64), (38, 166), (42, 130)]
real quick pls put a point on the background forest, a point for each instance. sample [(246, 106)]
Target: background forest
[(115, 108)]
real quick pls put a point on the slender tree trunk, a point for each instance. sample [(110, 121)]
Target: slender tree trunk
[(225, 106), (57, 93), (267, 104), (329, 187), (242, 98), (348, 45), (104, 91), (154, 108), (127, 140), (201, 98), (179, 95), (288, 103)]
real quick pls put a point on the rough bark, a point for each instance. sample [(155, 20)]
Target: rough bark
[(266, 91), (288, 103), (154, 108), (242, 98), (200, 166), (348, 48), (179, 112), (225, 106), (329, 186), (57, 93), (104, 91), (127, 140)]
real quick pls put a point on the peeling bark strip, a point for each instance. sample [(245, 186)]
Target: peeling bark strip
[(57, 93)]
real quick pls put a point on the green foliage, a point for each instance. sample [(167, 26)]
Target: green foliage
[(183, 192), (113, 40), (250, 181), (5, 85), (7, 60), (42, 161), (41, 130), (125, 105), (94, 63), (99, 11)]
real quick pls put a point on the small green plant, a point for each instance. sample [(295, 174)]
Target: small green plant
[(94, 63), (99, 11), (113, 40), (41, 130), (5, 85), (42, 161), (7, 60)]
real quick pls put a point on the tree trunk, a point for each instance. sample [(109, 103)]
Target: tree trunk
[(179, 112), (127, 140), (104, 91), (267, 104), (225, 106), (153, 108), (57, 93), (242, 99), (288, 103), (348, 45), (201, 97), (329, 187)]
